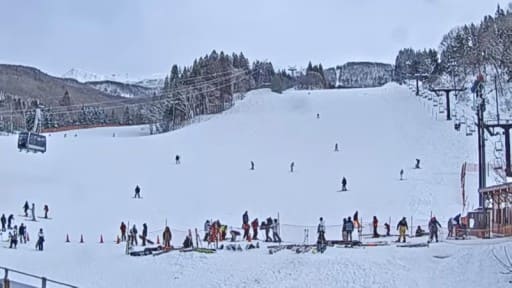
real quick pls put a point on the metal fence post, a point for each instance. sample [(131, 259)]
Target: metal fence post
[(6, 278), (43, 284)]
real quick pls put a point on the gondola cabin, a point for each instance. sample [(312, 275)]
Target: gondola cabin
[(32, 142)]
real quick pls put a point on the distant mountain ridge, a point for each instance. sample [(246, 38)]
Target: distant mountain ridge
[(154, 81)]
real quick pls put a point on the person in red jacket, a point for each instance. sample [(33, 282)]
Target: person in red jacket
[(255, 225)]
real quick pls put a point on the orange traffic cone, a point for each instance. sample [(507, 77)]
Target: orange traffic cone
[(101, 238), (157, 239), (67, 238), (118, 240), (81, 238)]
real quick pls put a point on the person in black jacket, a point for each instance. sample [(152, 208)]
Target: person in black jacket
[(432, 227), (402, 229), (144, 233), (137, 192), (25, 208), (3, 220), (245, 218), (10, 220)]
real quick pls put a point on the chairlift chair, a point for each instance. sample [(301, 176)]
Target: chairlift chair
[(31, 141), (468, 131), (441, 109), (498, 146)]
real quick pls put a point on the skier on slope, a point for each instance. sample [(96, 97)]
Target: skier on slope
[(267, 229), (13, 237), (133, 236), (255, 226), (33, 211), (375, 225), (206, 230), (21, 233), (123, 231), (402, 174), (10, 221), (187, 243), (357, 225), (3, 220), (40, 240), (344, 184), (46, 209), (137, 192), (432, 227), (25, 208), (344, 236), (402, 229), (144, 233), (450, 227), (321, 232), (177, 158), (167, 236), (417, 166), (349, 228), (252, 165), (336, 147), (292, 165), (388, 228), (275, 231)]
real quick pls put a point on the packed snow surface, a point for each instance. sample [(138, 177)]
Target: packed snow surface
[(88, 183)]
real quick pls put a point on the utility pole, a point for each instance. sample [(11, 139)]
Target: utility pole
[(478, 88)]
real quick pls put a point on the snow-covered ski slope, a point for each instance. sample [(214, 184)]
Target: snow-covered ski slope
[(88, 183)]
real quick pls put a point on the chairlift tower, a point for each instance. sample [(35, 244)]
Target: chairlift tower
[(419, 77), (447, 92)]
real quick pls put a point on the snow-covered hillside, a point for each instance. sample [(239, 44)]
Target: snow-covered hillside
[(88, 183), (152, 81)]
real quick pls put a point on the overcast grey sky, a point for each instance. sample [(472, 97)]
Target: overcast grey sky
[(142, 37)]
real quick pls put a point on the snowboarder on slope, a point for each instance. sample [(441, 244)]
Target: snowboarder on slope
[(252, 165), (317, 115), (417, 166), (46, 209), (402, 174), (291, 166), (177, 158), (336, 147), (137, 192), (402, 229), (432, 227), (245, 225)]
